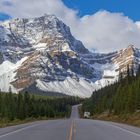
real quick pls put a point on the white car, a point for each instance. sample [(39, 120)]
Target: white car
[(86, 114)]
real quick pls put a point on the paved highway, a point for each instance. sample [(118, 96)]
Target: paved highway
[(70, 129)]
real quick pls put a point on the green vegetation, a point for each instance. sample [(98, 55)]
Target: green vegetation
[(19, 107), (120, 100)]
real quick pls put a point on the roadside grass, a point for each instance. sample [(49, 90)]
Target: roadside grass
[(6, 122), (131, 119)]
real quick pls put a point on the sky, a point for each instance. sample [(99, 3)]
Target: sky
[(129, 8), (102, 25)]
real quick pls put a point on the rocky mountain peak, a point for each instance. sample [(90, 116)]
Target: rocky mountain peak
[(129, 56), (50, 53), (42, 32), (127, 51), (131, 46), (41, 54)]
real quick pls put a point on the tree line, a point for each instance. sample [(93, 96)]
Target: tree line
[(21, 106), (122, 97)]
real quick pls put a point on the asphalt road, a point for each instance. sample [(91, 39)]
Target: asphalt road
[(70, 129)]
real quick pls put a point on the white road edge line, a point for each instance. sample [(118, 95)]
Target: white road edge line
[(125, 130), (21, 129)]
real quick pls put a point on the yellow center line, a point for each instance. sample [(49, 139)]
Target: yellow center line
[(74, 127), (74, 131), (71, 131)]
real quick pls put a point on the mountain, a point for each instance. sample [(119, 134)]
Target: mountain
[(119, 63), (129, 56), (40, 54)]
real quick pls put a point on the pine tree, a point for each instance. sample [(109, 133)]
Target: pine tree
[(20, 104), (1, 105), (11, 106), (26, 104)]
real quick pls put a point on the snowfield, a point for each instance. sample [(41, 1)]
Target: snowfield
[(81, 88), (7, 74)]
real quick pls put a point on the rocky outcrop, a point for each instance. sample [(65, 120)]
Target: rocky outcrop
[(127, 57)]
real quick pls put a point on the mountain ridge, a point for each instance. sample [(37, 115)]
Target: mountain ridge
[(42, 51)]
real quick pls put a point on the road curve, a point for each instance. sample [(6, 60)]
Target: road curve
[(70, 129)]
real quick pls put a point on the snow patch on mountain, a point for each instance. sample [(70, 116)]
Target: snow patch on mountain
[(109, 75), (7, 74), (69, 86), (105, 82)]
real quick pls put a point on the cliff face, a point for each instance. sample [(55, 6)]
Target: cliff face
[(127, 57), (51, 52)]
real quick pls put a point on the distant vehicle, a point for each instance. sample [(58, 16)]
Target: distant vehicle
[(86, 114)]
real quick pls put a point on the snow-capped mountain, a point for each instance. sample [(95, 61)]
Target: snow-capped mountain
[(41, 54)]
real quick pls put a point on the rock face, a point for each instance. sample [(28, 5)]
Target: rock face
[(52, 54), (129, 56), (42, 52)]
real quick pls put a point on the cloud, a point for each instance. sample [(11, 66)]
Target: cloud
[(108, 31), (138, 24), (104, 31), (6, 3)]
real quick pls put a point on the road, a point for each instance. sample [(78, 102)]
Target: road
[(70, 129)]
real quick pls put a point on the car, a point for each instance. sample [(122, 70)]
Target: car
[(86, 114)]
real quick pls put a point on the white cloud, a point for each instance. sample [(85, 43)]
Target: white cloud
[(108, 31), (138, 24), (103, 30)]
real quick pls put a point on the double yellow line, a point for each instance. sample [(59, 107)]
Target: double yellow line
[(72, 130)]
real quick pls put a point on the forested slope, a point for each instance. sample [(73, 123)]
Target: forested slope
[(27, 106), (119, 99)]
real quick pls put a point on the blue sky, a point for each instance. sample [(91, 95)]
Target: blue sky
[(4, 16), (130, 8)]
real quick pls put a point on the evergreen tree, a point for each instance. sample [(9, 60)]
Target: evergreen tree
[(26, 104), (122, 97), (20, 107)]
